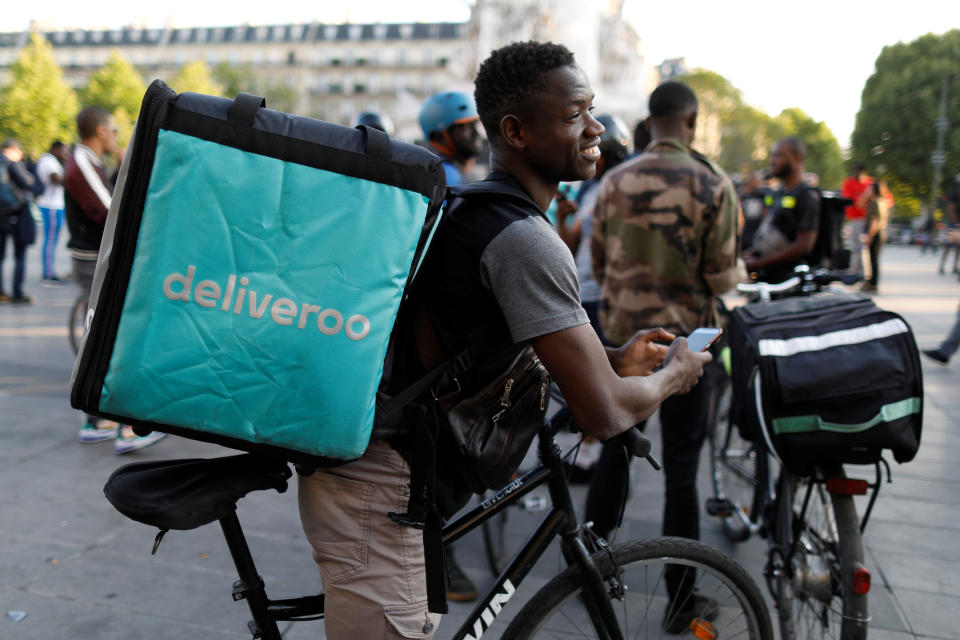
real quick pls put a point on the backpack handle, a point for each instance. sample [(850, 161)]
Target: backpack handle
[(243, 112), (376, 143)]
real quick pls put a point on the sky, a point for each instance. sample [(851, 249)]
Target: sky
[(815, 55)]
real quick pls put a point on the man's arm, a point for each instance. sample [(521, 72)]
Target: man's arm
[(603, 403)]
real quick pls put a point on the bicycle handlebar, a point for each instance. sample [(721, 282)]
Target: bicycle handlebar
[(639, 445), (804, 281)]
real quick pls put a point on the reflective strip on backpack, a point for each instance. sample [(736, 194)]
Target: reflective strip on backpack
[(887, 413), (855, 335)]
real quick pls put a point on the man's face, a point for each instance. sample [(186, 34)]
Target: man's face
[(781, 160), (61, 154), (108, 133), (466, 139), (561, 133), (13, 154)]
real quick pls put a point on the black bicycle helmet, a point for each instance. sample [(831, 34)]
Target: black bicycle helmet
[(615, 141)]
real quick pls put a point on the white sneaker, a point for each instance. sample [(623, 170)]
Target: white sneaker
[(128, 441), (97, 431)]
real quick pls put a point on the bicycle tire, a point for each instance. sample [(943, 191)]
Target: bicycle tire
[(556, 611), (733, 466), (77, 322), (820, 546)]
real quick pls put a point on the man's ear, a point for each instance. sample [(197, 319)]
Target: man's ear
[(511, 130)]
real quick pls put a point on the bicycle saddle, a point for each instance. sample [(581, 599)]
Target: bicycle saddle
[(185, 494)]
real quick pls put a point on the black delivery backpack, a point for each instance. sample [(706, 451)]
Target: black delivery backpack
[(252, 268), (826, 378)]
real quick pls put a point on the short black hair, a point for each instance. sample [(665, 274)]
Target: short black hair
[(511, 75), (672, 98), (89, 119), (56, 144), (796, 145)]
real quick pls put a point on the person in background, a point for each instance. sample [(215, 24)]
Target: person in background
[(854, 187), (664, 244), (752, 204), (50, 202), (952, 202), (878, 205), (788, 232), (87, 195), (449, 122), (19, 225)]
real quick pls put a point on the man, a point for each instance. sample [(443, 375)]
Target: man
[(18, 225), (449, 123), (87, 194), (878, 205), (496, 265), (752, 204), (953, 222), (854, 187), (50, 203), (788, 232), (664, 244)]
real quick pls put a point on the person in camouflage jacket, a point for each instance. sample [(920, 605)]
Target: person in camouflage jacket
[(664, 243)]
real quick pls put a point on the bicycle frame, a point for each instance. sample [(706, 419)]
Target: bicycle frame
[(560, 520)]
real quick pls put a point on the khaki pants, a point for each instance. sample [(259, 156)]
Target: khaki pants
[(373, 569)]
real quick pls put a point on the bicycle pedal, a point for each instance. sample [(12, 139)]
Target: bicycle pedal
[(720, 507)]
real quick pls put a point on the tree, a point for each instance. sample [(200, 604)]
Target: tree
[(824, 156), (37, 107), (196, 76), (894, 133), (118, 88), (237, 78)]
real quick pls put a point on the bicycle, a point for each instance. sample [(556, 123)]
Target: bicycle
[(604, 592), (77, 321), (814, 567)]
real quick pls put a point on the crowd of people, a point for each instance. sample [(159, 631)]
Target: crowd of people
[(642, 243)]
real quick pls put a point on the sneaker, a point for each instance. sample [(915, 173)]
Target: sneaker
[(53, 281), (701, 608), (936, 354), (21, 299), (128, 441), (97, 431), (459, 587)]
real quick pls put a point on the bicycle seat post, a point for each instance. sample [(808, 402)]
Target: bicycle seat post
[(250, 586)]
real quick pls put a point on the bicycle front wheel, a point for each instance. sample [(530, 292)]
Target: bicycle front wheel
[(818, 548), (719, 599), (77, 322)]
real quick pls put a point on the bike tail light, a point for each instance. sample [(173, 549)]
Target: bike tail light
[(847, 486), (703, 630), (861, 581)]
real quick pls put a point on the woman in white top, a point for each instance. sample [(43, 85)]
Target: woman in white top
[(50, 202)]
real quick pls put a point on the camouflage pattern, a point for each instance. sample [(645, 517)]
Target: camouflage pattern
[(664, 241)]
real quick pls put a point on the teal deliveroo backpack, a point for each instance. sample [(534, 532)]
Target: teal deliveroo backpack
[(250, 275)]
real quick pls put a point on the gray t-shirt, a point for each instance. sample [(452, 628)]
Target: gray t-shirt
[(532, 275)]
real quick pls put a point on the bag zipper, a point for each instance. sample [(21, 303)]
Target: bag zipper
[(103, 332)]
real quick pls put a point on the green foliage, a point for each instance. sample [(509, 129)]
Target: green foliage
[(823, 151), (196, 77), (37, 107), (118, 88), (740, 136), (895, 133)]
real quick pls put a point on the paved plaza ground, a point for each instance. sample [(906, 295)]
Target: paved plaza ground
[(80, 570)]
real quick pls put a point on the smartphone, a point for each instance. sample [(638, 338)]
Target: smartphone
[(702, 338)]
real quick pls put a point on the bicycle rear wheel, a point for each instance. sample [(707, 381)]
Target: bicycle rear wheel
[(635, 575), (818, 549)]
